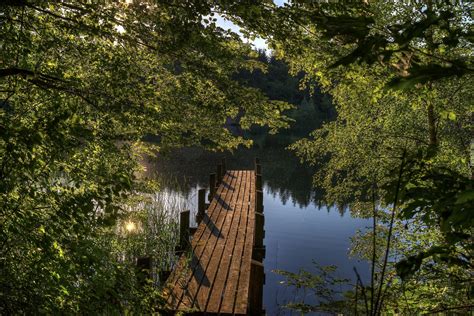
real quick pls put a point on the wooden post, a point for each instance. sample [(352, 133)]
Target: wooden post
[(219, 174), (259, 201), (212, 186), (201, 205), (184, 230), (259, 232), (163, 275), (257, 277), (257, 166), (224, 166), (258, 182), (144, 273), (258, 252), (258, 169)]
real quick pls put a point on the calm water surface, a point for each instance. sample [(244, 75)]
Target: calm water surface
[(299, 230)]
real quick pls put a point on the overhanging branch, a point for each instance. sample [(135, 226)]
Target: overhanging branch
[(15, 71)]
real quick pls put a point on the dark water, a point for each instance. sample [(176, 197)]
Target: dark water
[(299, 229)]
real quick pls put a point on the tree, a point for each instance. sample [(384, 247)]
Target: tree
[(400, 76), (81, 84)]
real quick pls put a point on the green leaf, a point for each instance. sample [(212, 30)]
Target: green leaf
[(465, 197)]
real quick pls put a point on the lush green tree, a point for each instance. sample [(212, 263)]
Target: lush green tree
[(311, 106), (81, 84), (392, 154)]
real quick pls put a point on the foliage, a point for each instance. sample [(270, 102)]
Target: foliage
[(375, 126), (443, 199), (436, 286), (311, 106), (81, 83), (400, 156), (323, 284), (421, 43)]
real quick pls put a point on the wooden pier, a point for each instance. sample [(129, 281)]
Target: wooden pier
[(221, 272)]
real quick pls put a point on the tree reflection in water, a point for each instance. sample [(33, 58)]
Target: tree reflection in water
[(283, 174)]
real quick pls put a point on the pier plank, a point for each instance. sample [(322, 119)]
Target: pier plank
[(215, 277), (221, 281), (182, 290), (242, 296), (227, 229), (231, 293)]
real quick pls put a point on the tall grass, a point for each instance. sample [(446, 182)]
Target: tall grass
[(150, 228)]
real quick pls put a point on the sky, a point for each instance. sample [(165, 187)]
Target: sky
[(258, 43)]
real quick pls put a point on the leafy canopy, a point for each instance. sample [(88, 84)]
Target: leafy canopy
[(400, 77), (81, 84)]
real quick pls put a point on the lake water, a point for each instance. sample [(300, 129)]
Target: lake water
[(299, 229)]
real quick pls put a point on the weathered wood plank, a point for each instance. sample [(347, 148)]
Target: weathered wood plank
[(203, 282), (242, 297), (178, 280), (221, 279), (203, 251), (229, 297), (217, 278), (215, 263)]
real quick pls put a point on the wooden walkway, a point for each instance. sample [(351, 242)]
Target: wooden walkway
[(214, 275)]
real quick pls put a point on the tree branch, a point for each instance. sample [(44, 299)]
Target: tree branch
[(15, 71), (378, 300), (450, 309)]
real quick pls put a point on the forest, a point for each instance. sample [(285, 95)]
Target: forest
[(373, 101)]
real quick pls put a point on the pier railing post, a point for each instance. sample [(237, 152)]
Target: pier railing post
[(212, 186), (258, 252), (184, 230), (259, 201), (258, 182), (258, 169), (201, 205)]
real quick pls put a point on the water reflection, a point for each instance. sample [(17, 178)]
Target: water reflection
[(299, 227), (284, 175)]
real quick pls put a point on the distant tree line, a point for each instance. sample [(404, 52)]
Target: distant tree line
[(311, 109)]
